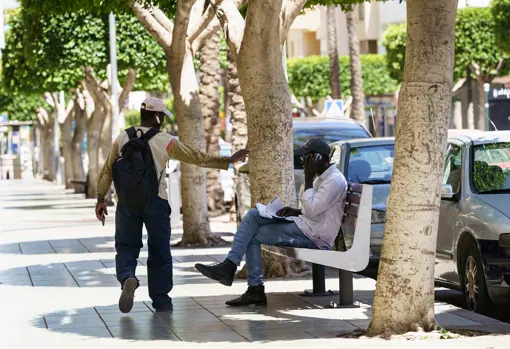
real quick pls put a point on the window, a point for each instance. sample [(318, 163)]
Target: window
[(452, 169), (491, 168), (371, 165)]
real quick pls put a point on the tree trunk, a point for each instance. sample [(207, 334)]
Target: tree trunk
[(404, 297), (210, 102), (50, 166), (268, 104), (190, 122), (358, 97), (480, 123), (94, 127), (80, 117), (334, 65), (238, 120), (66, 130)]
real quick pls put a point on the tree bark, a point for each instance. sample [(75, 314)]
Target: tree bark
[(238, 120), (80, 117), (46, 121), (480, 123), (404, 297), (210, 102), (268, 104), (334, 65), (66, 131), (358, 97)]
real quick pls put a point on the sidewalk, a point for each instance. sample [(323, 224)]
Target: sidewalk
[(58, 289)]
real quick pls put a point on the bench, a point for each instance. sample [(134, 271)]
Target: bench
[(357, 216), (81, 185)]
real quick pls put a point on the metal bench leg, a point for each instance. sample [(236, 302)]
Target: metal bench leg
[(319, 283), (346, 288)]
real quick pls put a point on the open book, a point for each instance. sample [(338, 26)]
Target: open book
[(269, 210)]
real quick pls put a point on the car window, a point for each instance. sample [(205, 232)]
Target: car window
[(336, 154), (491, 168), (330, 132), (371, 164), (452, 173)]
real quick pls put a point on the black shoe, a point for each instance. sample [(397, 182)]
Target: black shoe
[(254, 295), (165, 309), (223, 272), (128, 295)]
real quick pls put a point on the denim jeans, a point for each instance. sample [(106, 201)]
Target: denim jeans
[(128, 242), (255, 231)]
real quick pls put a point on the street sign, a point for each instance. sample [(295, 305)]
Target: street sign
[(3, 118), (334, 108)]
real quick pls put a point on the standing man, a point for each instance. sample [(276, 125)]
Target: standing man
[(315, 227), (137, 166)]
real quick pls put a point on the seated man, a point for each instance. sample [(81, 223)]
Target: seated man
[(316, 226)]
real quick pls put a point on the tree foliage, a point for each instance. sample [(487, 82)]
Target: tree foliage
[(310, 76), (500, 10), (48, 52), (475, 42)]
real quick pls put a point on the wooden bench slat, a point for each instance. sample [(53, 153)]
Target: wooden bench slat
[(349, 221), (353, 199), (355, 188), (351, 210)]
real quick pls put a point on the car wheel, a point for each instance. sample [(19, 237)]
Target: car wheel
[(473, 279)]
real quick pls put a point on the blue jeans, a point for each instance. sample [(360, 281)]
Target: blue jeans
[(128, 242), (255, 231)]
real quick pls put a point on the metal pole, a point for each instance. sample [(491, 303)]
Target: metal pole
[(486, 88), (113, 77), (319, 279), (346, 287)]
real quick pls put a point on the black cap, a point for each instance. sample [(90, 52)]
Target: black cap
[(315, 145)]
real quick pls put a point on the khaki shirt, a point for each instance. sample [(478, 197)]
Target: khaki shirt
[(163, 147)]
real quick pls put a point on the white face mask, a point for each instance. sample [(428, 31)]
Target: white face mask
[(157, 119)]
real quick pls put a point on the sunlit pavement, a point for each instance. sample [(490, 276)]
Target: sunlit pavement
[(58, 289)]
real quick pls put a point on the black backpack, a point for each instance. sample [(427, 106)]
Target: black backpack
[(134, 173)]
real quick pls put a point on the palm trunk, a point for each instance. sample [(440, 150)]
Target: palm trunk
[(334, 66), (404, 297), (80, 117), (210, 102), (358, 97), (267, 98), (94, 127), (49, 149), (238, 120)]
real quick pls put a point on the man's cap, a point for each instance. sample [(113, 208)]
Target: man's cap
[(315, 145), (156, 105)]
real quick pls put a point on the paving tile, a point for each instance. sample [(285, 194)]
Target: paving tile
[(447, 319), (71, 312), (73, 321), (363, 324), (138, 307), (39, 323), (56, 283), (14, 272), (221, 336), (93, 332), (276, 335), (64, 275), (134, 331), (201, 327), (139, 318)]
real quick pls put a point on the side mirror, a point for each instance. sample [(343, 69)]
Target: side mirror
[(447, 191)]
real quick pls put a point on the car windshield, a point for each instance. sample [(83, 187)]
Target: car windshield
[(491, 168), (371, 164), (330, 132)]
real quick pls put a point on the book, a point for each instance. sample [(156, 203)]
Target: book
[(269, 211)]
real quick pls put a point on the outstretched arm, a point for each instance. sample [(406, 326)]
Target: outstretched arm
[(105, 176), (180, 151)]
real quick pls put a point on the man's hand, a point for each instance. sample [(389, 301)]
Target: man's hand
[(311, 168), (288, 212), (101, 207), (239, 156)]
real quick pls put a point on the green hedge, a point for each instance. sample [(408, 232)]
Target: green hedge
[(310, 76)]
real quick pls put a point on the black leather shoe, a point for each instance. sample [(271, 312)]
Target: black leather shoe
[(254, 295), (223, 272)]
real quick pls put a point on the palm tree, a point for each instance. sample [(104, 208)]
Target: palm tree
[(358, 98), (334, 67)]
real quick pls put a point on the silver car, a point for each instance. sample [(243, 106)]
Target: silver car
[(367, 161), (473, 243), (329, 129)]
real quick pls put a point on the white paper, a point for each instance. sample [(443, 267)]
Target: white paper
[(269, 210)]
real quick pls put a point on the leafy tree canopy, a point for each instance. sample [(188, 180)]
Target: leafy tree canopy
[(48, 52), (475, 42), (500, 10)]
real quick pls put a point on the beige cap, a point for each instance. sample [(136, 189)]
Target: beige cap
[(156, 105)]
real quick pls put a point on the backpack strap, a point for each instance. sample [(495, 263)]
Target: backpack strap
[(131, 132), (150, 133)]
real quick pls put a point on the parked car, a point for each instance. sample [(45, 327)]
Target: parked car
[(473, 242), (367, 161), (330, 129)]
